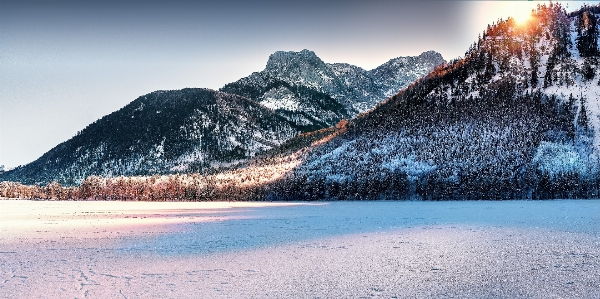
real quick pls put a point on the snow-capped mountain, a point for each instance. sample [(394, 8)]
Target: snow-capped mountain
[(518, 117), (401, 71), (163, 132), (314, 94), (199, 130)]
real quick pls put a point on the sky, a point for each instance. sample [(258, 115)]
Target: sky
[(65, 64)]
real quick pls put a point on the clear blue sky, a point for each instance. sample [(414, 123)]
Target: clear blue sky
[(64, 64)]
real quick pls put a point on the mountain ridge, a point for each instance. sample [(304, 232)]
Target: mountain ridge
[(517, 118), (358, 90), (195, 137)]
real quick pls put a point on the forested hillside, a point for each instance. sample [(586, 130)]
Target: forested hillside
[(516, 118), (180, 131)]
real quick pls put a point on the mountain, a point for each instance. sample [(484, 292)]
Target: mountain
[(163, 132), (518, 117), (199, 130), (313, 94), (398, 73)]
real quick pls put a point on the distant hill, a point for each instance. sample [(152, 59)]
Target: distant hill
[(180, 131)]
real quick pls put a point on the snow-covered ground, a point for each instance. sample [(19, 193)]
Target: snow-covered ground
[(474, 249)]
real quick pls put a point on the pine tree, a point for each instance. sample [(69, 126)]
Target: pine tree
[(490, 69), (549, 68), (568, 117), (588, 70), (587, 35), (534, 68), (582, 120)]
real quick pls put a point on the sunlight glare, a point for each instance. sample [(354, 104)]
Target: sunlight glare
[(521, 16), (488, 12)]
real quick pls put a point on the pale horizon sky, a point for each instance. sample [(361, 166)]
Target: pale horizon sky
[(66, 64)]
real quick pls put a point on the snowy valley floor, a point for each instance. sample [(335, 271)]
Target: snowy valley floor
[(506, 249)]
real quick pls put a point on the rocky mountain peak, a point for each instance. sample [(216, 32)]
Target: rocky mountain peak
[(355, 88), (284, 59), (432, 56), (302, 68), (398, 72)]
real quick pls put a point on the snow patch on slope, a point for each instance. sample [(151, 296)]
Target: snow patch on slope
[(280, 98)]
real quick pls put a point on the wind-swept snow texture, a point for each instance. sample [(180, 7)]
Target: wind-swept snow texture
[(473, 249)]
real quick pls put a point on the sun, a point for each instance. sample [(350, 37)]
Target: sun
[(521, 17), (519, 11)]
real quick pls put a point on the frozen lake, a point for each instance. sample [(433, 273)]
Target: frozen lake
[(474, 249)]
